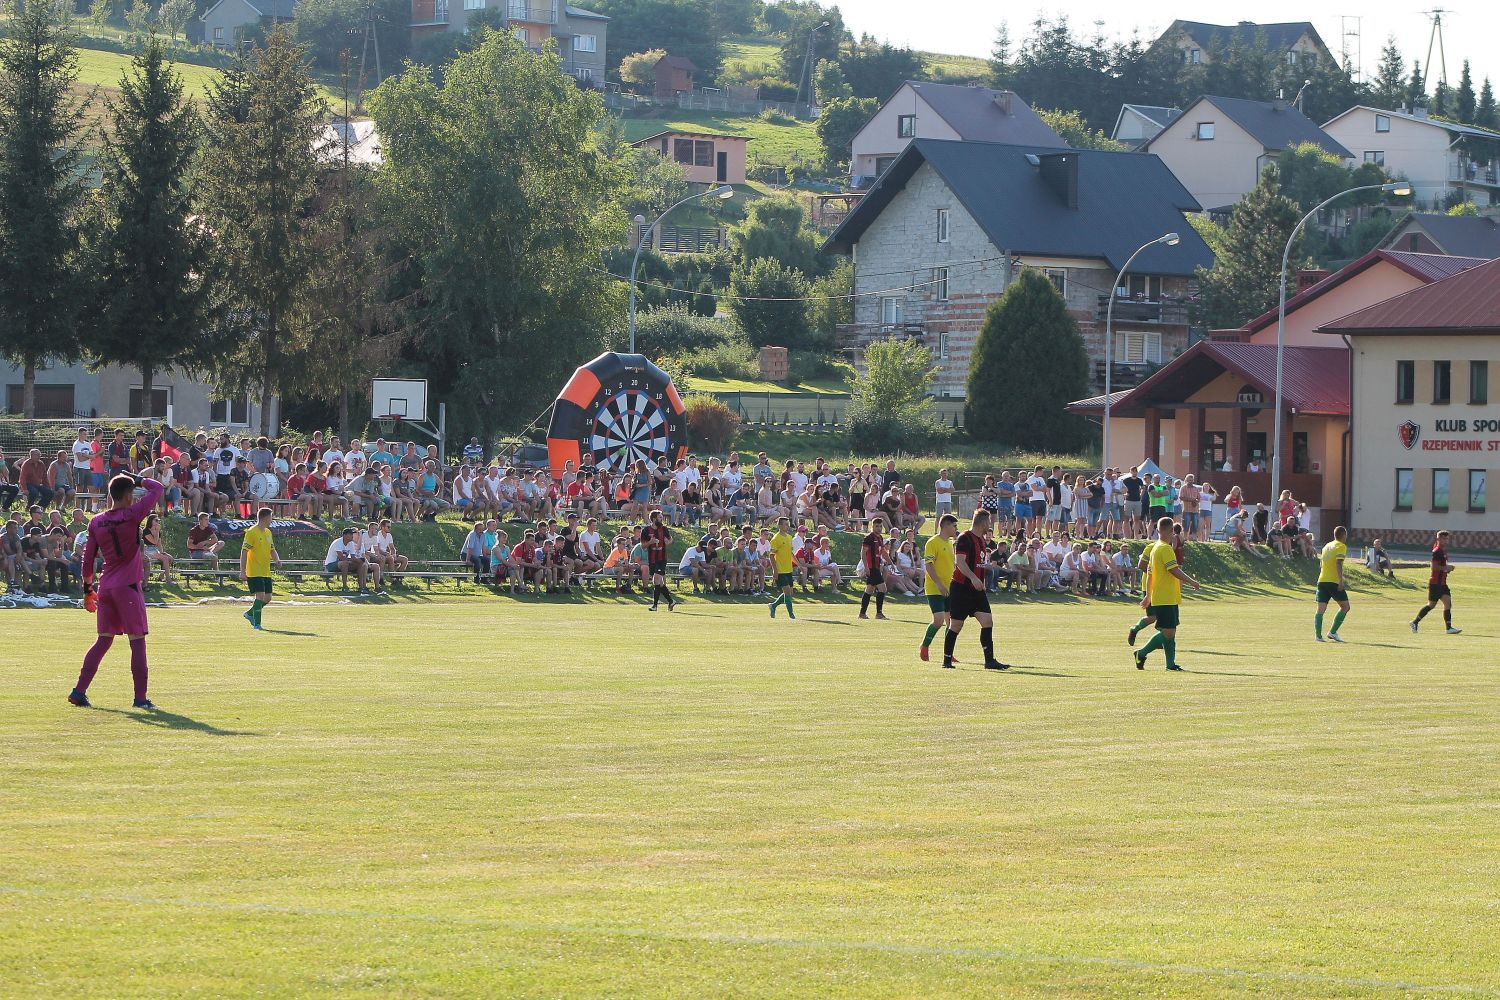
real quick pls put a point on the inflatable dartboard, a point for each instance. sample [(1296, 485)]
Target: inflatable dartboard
[(617, 410)]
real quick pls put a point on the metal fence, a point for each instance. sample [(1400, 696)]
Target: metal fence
[(826, 411)]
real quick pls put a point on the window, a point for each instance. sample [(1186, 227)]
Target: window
[(694, 152), (160, 397), (942, 347), (1442, 381), (1205, 130), (1382, 123), (52, 401), (1375, 156), (882, 163), (1477, 479), (1194, 56), (1440, 480), (231, 412), (218, 34), (585, 43), (1293, 58), (942, 225), (1406, 381), (1479, 382), (1405, 488), (940, 283), (585, 73), (890, 311), (1059, 278), (524, 34), (906, 126), (1141, 287), (1138, 348), (473, 4)]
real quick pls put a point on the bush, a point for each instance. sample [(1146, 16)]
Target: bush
[(890, 406), (768, 303), (773, 117), (732, 358), (774, 89), (678, 371), (712, 425), (673, 329)]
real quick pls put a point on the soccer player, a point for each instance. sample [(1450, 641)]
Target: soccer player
[(966, 594), (121, 606), (1437, 586), (1164, 598), (872, 548), (785, 560), (937, 557), (1143, 570), (656, 537), (1331, 584), (256, 556)]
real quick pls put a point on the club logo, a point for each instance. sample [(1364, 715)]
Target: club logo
[(1409, 433)]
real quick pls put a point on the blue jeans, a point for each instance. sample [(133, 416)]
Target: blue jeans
[(38, 494)]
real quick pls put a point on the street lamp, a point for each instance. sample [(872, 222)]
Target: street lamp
[(1170, 240), (807, 61), (722, 192), (1398, 188)]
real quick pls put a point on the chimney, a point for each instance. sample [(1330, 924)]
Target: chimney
[(1309, 277), (1420, 111), (1060, 172), (1279, 104), (1002, 101)]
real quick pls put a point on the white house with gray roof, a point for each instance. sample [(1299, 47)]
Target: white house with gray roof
[(223, 22), (1443, 160), (921, 110)]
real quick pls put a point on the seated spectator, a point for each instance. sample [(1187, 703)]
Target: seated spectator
[(60, 478), (474, 553), (825, 566), (500, 561), (1241, 538), (430, 491), (203, 542), (465, 499), (1378, 561), (152, 549), (56, 549)]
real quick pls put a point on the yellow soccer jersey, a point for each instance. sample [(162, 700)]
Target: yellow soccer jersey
[(1165, 588), (781, 552), (939, 552), (258, 546), (1329, 560)]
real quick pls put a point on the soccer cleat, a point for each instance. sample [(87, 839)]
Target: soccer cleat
[(1130, 636), (773, 605), (995, 665), (1140, 661), (922, 654), (880, 617), (863, 616), (144, 704), (249, 616), (791, 614), (1334, 637), (1320, 638), (1455, 631), (1173, 666), (651, 607), (1413, 626), (79, 699)]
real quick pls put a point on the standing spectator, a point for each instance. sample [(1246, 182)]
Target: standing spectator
[(473, 452), (1131, 516)]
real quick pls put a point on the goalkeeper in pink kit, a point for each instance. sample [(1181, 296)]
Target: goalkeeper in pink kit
[(116, 535)]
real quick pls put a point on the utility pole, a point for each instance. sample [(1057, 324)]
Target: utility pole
[(371, 39), (1436, 35)]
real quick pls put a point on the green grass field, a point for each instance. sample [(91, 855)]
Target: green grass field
[(100, 68), (488, 797), (793, 141)]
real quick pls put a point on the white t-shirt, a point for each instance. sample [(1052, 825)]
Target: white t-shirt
[(333, 455), (224, 459), (373, 543), (1205, 502), (1038, 487), (828, 479), (798, 481), (1109, 489), (691, 558), (341, 548), (1065, 496), (731, 480), (83, 455), (1056, 551), (588, 542), (680, 478), (944, 489)]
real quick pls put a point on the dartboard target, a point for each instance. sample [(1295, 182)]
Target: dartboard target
[(615, 411)]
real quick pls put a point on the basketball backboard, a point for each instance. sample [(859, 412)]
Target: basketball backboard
[(399, 397)]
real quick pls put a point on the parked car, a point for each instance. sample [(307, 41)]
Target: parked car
[(527, 456)]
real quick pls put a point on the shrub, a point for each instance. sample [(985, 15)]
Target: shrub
[(769, 303), (890, 406), (773, 117), (731, 358), (673, 329), (712, 425)]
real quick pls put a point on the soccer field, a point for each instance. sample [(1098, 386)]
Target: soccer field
[(474, 797)]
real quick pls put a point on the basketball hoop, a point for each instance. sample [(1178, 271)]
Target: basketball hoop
[(387, 424)]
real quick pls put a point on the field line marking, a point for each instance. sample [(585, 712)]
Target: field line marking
[(757, 941)]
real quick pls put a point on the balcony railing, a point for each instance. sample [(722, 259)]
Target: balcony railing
[(1468, 170), (429, 12), (1142, 312), (861, 335), (535, 13)]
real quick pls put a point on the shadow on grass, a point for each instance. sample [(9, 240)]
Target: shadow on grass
[(287, 631), (170, 720)]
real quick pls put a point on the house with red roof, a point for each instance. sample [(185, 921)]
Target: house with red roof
[(1425, 428), (1212, 408)]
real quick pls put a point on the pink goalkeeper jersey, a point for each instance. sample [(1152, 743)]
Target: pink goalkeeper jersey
[(116, 534)]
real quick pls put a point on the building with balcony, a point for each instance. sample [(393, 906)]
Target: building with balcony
[(1462, 235), (1218, 146), (945, 229), (1445, 162), (580, 34), (920, 110)]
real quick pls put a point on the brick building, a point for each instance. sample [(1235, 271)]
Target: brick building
[(946, 227)]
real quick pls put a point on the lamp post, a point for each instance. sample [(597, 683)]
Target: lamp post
[(1399, 188), (1167, 239), (722, 192), (807, 61)]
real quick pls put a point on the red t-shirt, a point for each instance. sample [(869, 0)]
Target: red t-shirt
[(971, 547), (294, 485), (874, 548), (525, 552), (656, 537), (318, 483), (1439, 567)]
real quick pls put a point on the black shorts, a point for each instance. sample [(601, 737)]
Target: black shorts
[(1331, 592), (1166, 615), (224, 484), (1436, 592), (1038, 509), (874, 577), (657, 567), (259, 584), (966, 602)]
